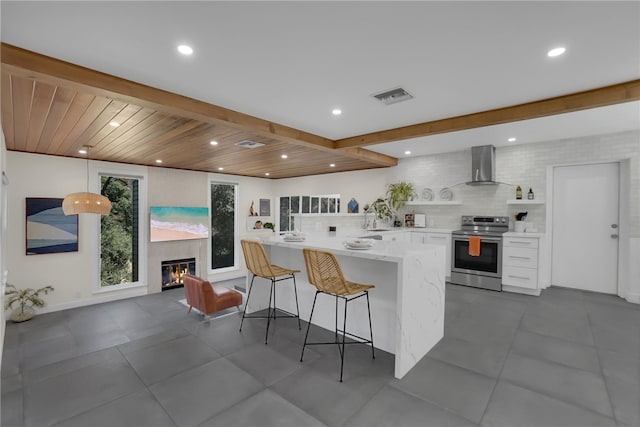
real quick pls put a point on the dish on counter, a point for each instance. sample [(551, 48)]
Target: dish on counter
[(358, 244), (427, 194), (293, 237), (446, 194)]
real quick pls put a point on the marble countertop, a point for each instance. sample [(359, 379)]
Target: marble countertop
[(334, 242), (530, 235)]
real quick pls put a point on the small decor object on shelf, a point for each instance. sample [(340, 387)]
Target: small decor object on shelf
[(252, 212), (446, 194), (258, 225), (353, 206), (518, 193), (265, 207), (427, 194), (269, 226), (27, 299), (530, 194)]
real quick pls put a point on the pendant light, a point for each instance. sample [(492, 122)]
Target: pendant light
[(85, 202)]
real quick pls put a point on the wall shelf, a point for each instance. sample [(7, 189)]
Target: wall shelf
[(433, 202), (525, 202)]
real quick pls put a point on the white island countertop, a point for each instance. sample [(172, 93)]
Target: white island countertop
[(407, 303)]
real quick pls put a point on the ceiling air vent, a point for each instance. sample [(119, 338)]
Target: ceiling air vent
[(393, 96), (248, 144)]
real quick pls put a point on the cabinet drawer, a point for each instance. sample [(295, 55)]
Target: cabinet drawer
[(417, 237), (518, 276), (520, 257), (437, 239), (520, 242)]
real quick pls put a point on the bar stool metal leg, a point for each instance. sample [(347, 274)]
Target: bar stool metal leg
[(370, 327), (295, 290), (344, 337), (272, 291), (246, 303), (309, 325)]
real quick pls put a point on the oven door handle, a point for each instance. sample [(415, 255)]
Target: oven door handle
[(482, 239)]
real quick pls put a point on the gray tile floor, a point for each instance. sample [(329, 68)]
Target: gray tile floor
[(566, 358)]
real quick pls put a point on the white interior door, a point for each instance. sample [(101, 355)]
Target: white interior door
[(585, 227)]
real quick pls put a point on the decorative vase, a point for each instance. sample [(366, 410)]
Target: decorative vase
[(22, 315)]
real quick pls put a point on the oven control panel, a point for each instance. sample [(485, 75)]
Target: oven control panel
[(485, 220)]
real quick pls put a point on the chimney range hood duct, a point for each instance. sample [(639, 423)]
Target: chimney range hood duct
[(483, 168)]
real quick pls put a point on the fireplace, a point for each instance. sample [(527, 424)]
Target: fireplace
[(173, 270)]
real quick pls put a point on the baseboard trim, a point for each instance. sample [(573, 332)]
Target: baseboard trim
[(632, 297), (135, 292)]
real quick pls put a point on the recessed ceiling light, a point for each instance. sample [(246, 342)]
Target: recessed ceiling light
[(220, 169), (158, 161), (336, 111), (407, 152), (213, 142), (512, 139), (267, 173), (284, 156), (332, 165), (114, 124), (185, 50), (557, 51), (82, 151)]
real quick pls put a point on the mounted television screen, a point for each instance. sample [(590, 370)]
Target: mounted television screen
[(178, 223)]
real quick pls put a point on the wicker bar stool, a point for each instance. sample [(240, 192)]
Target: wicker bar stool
[(324, 272), (259, 265)]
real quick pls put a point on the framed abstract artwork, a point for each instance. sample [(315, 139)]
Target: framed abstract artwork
[(48, 229)]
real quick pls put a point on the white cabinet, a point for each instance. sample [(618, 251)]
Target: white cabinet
[(520, 264), (396, 236), (440, 237)]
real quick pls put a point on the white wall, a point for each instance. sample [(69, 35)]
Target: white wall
[(523, 165), (73, 274), (3, 241)]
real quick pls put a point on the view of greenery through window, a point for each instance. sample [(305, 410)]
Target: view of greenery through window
[(223, 206), (119, 232)]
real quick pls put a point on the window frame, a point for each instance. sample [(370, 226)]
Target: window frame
[(236, 227), (96, 171)]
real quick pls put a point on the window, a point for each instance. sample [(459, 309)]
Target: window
[(291, 205), (120, 232), (224, 251)]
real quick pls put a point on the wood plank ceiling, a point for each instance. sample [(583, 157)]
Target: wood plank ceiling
[(53, 107)]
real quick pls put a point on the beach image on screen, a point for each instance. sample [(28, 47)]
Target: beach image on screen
[(178, 223)]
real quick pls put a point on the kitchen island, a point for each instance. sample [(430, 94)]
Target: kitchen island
[(407, 303)]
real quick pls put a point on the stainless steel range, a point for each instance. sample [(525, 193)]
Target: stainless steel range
[(483, 269)]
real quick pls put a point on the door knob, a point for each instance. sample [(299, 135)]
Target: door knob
[(614, 226), (614, 236)]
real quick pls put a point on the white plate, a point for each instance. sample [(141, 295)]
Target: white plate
[(357, 248), (427, 194), (359, 243), (293, 239), (446, 194)]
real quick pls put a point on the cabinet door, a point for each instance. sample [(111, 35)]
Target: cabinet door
[(417, 237)]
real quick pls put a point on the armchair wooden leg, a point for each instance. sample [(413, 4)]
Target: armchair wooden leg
[(190, 307)]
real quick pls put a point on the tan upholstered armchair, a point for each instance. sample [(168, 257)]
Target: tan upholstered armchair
[(207, 298)]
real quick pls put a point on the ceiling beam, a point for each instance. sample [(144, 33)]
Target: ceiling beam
[(30, 64), (609, 95)]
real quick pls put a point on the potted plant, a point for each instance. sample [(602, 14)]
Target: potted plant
[(269, 225), (382, 209), (398, 194), (26, 299)]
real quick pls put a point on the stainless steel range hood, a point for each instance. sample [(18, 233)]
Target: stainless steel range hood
[(483, 168)]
